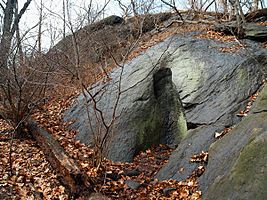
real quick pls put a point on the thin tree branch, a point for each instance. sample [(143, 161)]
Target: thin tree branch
[(18, 17), (174, 8), (1, 5)]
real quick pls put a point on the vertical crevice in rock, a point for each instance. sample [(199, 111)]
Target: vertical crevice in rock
[(170, 108)]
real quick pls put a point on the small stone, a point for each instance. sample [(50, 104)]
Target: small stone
[(97, 196), (167, 191), (132, 184), (134, 172), (114, 176)]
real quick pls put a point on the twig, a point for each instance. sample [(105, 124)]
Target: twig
[(174, 8)]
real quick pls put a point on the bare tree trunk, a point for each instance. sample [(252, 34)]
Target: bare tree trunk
[(135, 12), (240, 19), (64, 18), (40, 28), (232, 9), (7, 35), (241, 12), (11, 21), (255, 5), (225, 6), (19, 46)]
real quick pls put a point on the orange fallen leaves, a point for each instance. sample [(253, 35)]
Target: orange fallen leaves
[(111, 176), (221, 37), (222, 133), (202, 157), (32, 174), (160, 36), (144, 45), (262, 23), (5, 130), (232, 49), (252, 99)]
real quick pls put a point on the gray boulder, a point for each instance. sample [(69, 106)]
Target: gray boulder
[(108, 21), (112, 20), (149, 110), (251, 30), (237, 167), (212, 86), (212, 96), (97, 196)]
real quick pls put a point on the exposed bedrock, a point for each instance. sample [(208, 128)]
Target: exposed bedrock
[(211, 86)]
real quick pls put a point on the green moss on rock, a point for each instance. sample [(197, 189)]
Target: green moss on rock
[(149, 130), (261, 103), (248, 176), (182, 126), (250, 172), (247, 179), (242, 76), (165, 122)]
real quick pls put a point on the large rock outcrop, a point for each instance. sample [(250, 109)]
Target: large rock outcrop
[(213, 86), (149, 109), (214, 91), (237, 167), (252, 31)]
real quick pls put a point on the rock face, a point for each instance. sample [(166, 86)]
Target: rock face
[(251, 30), (111, 21), (237, 168), (212, 86), (257, 16), (149, 109), (168, 105), (214, 91)]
